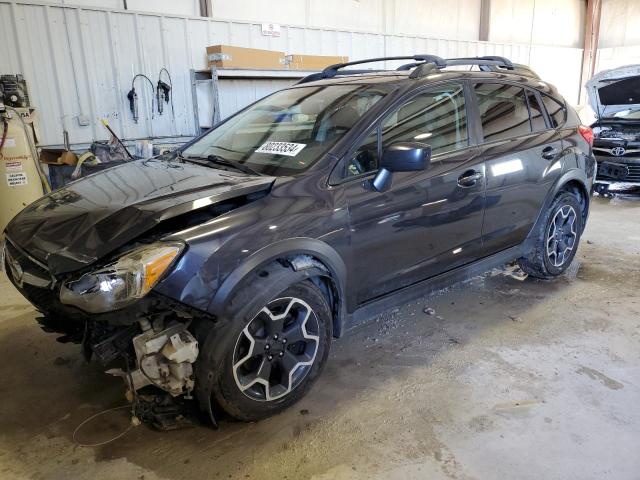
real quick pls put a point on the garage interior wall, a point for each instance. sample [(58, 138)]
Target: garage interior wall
[(79, 58), (619, 42)]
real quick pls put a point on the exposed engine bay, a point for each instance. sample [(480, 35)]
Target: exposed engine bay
[(615, 99), (617, 149), (155, 359), (164, 359), (617, 132)]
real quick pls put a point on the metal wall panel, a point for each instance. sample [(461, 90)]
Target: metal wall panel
[(617, 57), (238, 93), (79, 62)]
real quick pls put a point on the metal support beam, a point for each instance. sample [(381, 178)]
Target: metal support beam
[(591, 39), (485, 20), (206, 8)]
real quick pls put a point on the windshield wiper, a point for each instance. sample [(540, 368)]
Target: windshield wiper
[(216, 160), (228, 163)]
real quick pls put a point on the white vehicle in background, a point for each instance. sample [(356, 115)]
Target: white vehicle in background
[(614, 96)]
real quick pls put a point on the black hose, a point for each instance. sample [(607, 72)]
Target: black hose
[(153, 90), (163, 69)]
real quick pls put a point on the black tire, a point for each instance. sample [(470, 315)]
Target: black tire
[(539, 263), (219, 354)]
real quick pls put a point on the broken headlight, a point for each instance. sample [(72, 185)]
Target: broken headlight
[(122, 282)]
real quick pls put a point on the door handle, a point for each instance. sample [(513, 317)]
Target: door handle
[(469, 178), (549, 153)]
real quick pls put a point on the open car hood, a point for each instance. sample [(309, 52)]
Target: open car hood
[(615, 90), (88, 219)]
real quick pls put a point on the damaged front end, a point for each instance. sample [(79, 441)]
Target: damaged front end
[(89, 258), (615, 98), (135, 333)]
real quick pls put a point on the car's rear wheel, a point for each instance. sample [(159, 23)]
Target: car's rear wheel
[(557, 238), (272, 352)]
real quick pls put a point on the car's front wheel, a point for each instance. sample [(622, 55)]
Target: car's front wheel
[(273, 351), (557, 238)]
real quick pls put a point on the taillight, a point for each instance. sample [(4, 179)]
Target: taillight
[(587, 134)]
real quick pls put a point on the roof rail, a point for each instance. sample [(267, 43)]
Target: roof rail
[(501, 61), (408, 66), (332, 70), (422, 65), (491, 61), (517, 68)]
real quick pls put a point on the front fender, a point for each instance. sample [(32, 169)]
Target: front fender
[(286, 248)]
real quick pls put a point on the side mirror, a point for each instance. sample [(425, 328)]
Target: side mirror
[(400, 157)]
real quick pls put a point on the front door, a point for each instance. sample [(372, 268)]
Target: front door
[(428, 221)]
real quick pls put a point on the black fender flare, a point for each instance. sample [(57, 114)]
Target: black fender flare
[(575, 174), (329, 257)]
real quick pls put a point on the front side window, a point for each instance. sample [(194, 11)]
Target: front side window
[(289, 131), (436, 117), (365, 158), (503, 111)]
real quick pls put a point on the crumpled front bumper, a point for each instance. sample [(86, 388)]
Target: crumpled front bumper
[(34, 282), (619, 173)]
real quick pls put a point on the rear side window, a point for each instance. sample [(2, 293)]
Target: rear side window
[(537, 117), (557, 112), (503, 111)]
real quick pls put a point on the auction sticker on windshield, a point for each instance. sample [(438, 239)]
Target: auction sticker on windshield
[(281, 148)]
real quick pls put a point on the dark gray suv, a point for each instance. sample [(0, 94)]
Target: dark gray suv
[(225, 269)]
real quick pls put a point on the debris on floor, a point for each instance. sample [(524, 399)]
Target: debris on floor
[(511, 270)]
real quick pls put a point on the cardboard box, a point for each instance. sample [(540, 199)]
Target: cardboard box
[(58, 156), (226, 56), (312, 62)]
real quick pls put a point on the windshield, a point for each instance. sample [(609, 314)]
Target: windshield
[(287, 132)]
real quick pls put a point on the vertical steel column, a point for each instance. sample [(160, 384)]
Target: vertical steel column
[(591, 40), (485, 20), (215, 97)]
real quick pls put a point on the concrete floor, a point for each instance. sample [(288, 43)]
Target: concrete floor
[(509, 379)]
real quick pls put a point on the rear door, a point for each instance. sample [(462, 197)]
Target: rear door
[(428, 221), (522, 155)]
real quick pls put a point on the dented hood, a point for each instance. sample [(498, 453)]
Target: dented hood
[(615, 90), (75, 226)]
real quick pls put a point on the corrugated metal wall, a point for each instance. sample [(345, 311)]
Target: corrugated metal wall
[(617, 57), (79, 62)]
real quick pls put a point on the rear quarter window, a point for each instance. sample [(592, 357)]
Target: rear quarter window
[(535, 109), (557, 111)]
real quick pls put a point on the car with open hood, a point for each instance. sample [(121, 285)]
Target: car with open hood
[(223, 271), (614, 96)]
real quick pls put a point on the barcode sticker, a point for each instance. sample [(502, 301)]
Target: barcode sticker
[(281, 148)]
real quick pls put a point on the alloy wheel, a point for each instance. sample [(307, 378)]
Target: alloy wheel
[(562, 235), (276, 350)]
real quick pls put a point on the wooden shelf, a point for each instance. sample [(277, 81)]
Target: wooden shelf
[(256, 73)]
